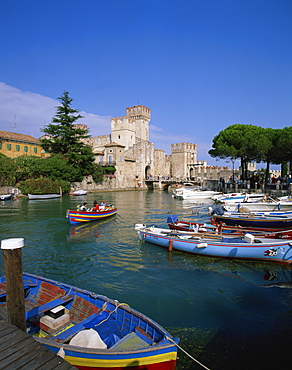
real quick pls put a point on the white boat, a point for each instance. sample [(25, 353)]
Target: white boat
[(5, 196), (43, 196), (195, 193), (259, 206), (79, 192), (237, 197)]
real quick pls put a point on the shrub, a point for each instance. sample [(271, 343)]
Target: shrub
[(44, 185)]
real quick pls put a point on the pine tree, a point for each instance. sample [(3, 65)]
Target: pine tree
[(65, 138)]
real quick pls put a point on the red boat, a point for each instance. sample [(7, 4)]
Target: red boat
[(213, 227)]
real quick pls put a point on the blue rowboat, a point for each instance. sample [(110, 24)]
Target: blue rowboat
[(247, 247), (63, 318), (76, 217)]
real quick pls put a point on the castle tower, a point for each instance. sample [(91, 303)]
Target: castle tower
[(123, 131), (183, 155), (135, 125), (141, 115)]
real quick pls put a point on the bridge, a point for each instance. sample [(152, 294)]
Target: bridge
[(163, 184)]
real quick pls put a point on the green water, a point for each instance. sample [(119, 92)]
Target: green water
[(228, 314)]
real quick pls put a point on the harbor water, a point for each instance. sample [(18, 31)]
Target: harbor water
[(228, 314)]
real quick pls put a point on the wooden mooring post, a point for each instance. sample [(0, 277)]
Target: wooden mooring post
[(12, 255)]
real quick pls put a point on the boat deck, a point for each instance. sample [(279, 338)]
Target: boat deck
[(20, 350)]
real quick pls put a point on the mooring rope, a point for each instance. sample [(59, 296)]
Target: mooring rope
[(179, 347)]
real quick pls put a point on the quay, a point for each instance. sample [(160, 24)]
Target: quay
[(19, 350)]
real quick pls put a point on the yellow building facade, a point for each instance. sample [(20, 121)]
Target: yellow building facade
[(13, 145)]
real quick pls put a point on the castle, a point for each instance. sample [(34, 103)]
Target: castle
[(135, 158), (129, 150)]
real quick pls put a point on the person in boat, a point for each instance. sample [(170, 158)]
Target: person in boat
[(83, 208), (246, 197), (95, 206), (102, 205), (215, 210)]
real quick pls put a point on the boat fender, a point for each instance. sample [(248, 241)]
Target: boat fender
[(170, 245), (201, 229), (61, 353), (202, 245), (249, 238), (140, 226)]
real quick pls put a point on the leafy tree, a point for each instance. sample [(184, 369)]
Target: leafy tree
[(7, 171), (27, 167), (237, 141), (285, 143), (268, 148), (65, 138), (57, 167), (97, 173)]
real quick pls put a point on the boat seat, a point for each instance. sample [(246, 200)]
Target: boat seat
[(46, 293), (3, 288), (37, 310), (45, 298), (81, 309), (81, 312)]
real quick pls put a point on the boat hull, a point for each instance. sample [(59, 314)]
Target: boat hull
[(151, 360), (76, 217), (259, 206), (5, 196), (93, 311), (271, 251), (43, 196), (230, 230), (250, 220)]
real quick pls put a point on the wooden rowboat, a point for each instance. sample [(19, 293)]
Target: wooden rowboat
[(63, 318), (266, 221), (76, 217), (222, 229), (43, 196), (248, 247), (5, 196)]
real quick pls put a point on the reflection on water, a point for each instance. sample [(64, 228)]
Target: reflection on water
[(218, 307)]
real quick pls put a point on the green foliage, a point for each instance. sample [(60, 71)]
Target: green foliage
[(43, 185), (7, 171), (109, 170), (65, 138), (252, 144), (27, 167), (97, 173), (57, 167)]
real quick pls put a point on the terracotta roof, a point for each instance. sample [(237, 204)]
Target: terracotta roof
[(18, 137), (115, 144)]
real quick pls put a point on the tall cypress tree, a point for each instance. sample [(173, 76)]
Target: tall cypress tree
[(65, 138)]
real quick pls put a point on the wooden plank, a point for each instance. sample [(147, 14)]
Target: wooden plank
[(18, 350)]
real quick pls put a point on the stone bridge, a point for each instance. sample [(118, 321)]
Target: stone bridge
[(161, 183)]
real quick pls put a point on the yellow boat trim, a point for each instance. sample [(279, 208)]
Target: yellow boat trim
[(140, 361)]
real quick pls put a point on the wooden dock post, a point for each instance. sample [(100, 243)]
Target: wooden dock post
[(12, 255)]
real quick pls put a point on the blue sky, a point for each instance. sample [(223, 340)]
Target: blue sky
[(199, 65)]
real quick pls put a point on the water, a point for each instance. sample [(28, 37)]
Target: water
[(227, 314)]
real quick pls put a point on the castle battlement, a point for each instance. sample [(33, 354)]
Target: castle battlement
[(138, 112), (183, 147)]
